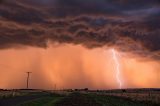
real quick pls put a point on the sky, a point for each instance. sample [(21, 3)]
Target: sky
[(69, 43)]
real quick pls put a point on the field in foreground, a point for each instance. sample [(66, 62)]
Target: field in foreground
[(80, 98)]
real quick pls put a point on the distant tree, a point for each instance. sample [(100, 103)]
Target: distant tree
[(123, 90), (85, 89), (76, 89)]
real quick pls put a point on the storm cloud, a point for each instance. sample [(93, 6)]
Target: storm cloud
[(130, 25)]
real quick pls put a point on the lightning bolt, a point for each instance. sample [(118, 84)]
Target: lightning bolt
[(114, 53)]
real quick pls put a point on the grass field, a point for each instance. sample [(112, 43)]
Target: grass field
[(151, 96), (118, 101), (80, 98)]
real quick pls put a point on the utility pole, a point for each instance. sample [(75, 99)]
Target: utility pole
[(28, 74)]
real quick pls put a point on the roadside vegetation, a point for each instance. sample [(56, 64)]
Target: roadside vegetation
[(106, 100)]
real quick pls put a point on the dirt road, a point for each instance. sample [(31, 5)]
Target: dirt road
[(17, 100)]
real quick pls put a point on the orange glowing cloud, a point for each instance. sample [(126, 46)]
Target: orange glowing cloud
[(70, 66)]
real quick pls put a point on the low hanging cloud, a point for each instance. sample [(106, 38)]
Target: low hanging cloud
[(92, 23)]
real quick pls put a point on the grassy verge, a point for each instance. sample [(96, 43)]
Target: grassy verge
[(116, 101)]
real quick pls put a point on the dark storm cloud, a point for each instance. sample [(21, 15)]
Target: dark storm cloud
[(11, 37), (20, 13), (131, 25), (100, 6)]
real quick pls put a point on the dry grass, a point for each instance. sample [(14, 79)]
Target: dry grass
[(153, 97)]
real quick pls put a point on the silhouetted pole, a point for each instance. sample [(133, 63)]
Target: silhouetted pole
[(28, 74)]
